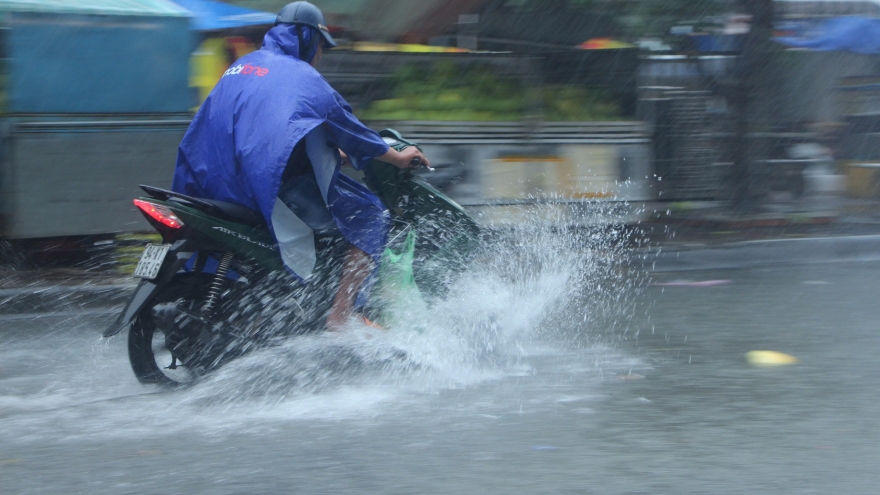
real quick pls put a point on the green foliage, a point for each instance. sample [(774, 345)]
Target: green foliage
[(447, 91), (577, 103)]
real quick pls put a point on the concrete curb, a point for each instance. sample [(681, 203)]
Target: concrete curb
[(763, 253)]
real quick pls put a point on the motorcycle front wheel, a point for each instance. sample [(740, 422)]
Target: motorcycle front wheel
[(163, 347)]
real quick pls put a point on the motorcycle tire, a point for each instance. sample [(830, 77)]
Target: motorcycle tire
[(148, 353)]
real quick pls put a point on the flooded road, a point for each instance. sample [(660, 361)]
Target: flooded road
[(659, 401)]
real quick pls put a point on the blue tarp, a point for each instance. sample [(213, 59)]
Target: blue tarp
[(852, 34), (70, 63), (209, 16)]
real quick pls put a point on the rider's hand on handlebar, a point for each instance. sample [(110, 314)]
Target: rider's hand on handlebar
[(412, 157)]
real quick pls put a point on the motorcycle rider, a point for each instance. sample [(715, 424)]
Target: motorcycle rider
[(272, 136)]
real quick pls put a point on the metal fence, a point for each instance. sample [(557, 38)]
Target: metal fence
[(692, 160)]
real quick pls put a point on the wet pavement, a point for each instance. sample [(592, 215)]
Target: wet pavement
[(518, 385), (632, 379)]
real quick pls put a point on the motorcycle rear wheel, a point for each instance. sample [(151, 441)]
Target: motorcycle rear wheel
[(151, 359)]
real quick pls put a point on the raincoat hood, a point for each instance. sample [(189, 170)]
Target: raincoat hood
[(282, 39)]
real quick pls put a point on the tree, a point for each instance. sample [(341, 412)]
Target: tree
[(751, 102)]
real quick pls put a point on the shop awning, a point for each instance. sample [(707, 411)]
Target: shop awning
[(210, 16), (96, 7)]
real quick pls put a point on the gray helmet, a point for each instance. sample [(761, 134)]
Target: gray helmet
[(306, 14)]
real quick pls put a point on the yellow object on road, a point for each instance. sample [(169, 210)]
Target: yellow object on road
[(769, 358)]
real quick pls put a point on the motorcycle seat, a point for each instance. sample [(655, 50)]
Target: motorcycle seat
[(223, 209), (237, 212)]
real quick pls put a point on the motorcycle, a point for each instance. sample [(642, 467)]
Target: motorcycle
[(216, 287)]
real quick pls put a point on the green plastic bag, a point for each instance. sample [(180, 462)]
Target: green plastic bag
[(399, 297)]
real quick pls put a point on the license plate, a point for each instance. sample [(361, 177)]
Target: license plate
[(151, 261)]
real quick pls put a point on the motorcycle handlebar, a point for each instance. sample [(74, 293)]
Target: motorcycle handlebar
[(416, 162)]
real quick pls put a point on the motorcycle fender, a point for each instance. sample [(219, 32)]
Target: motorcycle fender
[(146, 290), (142, 295)]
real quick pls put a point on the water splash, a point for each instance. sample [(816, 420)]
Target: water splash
[(557, 283), (559, 277)]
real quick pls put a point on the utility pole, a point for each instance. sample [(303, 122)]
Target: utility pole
[(752, 103)]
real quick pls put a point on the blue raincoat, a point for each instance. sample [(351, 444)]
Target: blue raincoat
[(239, 143)]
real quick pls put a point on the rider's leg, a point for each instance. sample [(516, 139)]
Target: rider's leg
[(355, 269)]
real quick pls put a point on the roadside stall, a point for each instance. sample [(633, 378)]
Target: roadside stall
[(842, 100), (98, 95), (97, 99)]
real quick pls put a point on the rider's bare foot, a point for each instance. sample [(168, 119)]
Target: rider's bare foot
[(370, 324), (337, 321), (355, 269)]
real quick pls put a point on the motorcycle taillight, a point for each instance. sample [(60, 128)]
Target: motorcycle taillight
[(159, 213)]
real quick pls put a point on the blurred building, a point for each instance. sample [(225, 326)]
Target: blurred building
[(383, 20), (506, 25)]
